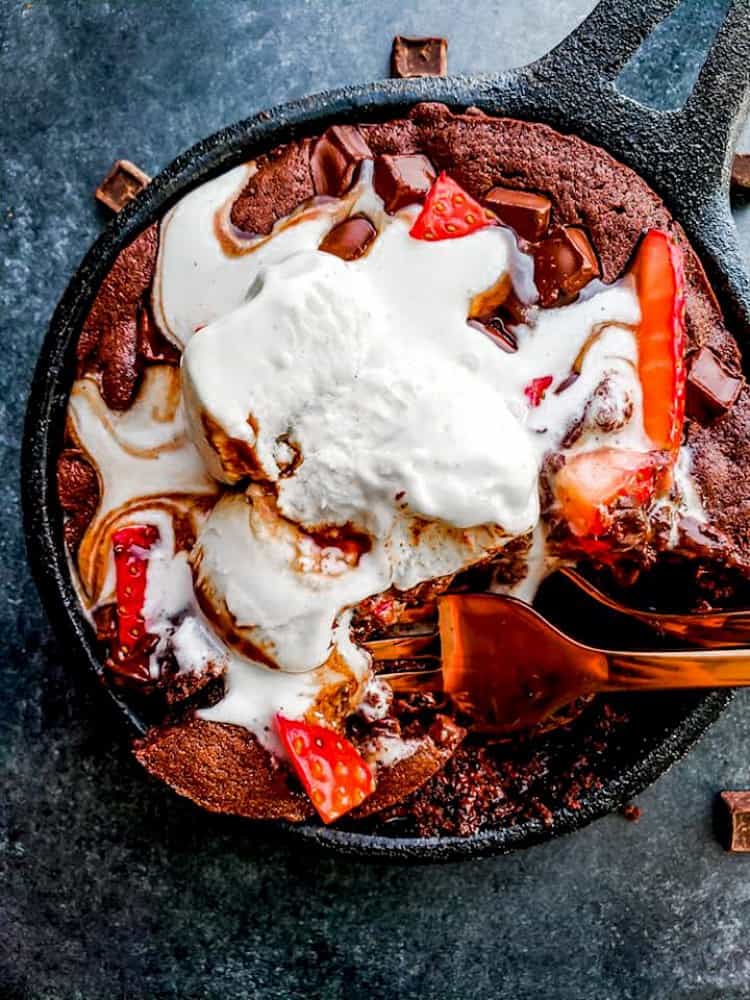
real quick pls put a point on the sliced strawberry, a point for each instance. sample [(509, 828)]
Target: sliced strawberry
[(589, 484), (536, 389), (660, 281), (334, 775), (131, 547), (449, 212)]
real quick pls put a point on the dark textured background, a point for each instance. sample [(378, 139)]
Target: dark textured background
[(109, 886)]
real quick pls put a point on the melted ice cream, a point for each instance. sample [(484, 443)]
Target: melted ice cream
[(361, 395)]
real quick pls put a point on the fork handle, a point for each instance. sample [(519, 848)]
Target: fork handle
[(703, 668)]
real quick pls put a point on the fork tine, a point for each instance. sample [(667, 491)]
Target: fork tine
[(401, 647)]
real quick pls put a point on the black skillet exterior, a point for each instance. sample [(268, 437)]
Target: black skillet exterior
[(684, 154)]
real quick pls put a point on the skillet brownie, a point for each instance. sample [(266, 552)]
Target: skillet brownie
[(444, 352)]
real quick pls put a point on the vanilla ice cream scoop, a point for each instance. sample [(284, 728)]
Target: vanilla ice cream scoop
[(360, 392)]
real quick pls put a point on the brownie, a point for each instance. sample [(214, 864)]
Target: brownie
[(449, 787)]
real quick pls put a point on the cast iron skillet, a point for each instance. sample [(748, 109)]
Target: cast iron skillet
[(685, 155)]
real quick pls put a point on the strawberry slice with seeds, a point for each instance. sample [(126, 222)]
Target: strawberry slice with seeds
[(591, 482), (333, 774), (660, 282), (537, 388), (131, 546), (449, 212)]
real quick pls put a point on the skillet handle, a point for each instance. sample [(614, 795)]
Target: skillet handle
[(685, 154), (600, 46)]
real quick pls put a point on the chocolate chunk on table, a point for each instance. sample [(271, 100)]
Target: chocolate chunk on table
[(736, 820), (350, 239), (563, 263), (525, 212), (741, 173), (336, 157), (402, 180), (711, 389), (123, 182), (419, 57)]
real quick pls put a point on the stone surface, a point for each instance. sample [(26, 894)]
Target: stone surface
[(111, 887)]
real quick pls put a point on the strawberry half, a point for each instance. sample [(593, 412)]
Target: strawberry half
[(334, 775), (131, 547), (536, 389), (590, 483), (449, 212), (660, 282)]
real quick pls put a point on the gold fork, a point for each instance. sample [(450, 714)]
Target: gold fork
[(510, 668)]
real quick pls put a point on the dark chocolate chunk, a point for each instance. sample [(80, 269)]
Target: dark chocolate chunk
[(335, 158), (496, 330), (737, 820), (123, 182), (699, 539), (525, 212), (402, 180), (419, 57), (741, 172), (350, 239), (563, 263), (711, 389)]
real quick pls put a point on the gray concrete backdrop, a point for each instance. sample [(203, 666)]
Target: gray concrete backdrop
[(109, 886)]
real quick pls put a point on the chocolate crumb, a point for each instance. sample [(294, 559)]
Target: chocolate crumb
[(412, 57), (631, 812)]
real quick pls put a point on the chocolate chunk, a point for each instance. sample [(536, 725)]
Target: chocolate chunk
[(402, 180), (419, 57), (123, 182), (525, 212), (700, 539), (496, 330), (335, 158), (350, 239), (711, 389), (741, 172), (736, 821), (563, 263)]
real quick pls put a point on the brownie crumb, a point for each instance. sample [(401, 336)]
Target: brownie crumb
[(631, 812)]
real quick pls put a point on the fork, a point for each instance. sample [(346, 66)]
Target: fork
[(714, 629), (508, 667)]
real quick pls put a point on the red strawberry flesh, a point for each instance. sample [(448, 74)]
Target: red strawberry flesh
[(131, 546), (537, 388), (334, 775), (660, 282), (449, 213), (591, 482)]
